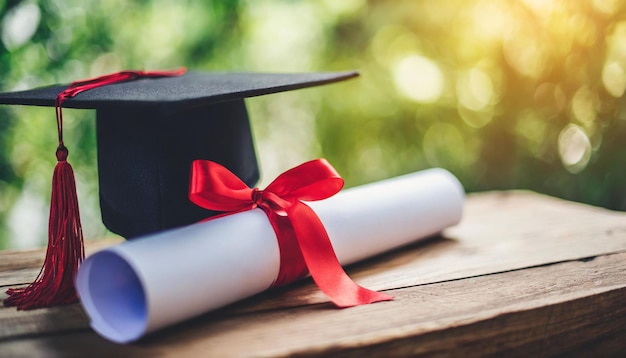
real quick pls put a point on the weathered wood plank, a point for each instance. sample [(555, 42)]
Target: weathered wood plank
[(553, 309), (500, 232), (54, 320), (17, 277), (19, 267)]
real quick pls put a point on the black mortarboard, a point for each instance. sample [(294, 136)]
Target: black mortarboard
[(150, 127), (150, 130)]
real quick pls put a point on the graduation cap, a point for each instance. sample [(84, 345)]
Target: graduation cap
[(150, 126)]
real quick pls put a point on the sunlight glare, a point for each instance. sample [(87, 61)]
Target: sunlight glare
[(419, 78), (574, 148), (20, 24), (614, 79), (475, 90)]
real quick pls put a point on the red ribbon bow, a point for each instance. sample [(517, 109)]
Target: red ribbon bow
[(302, 239)]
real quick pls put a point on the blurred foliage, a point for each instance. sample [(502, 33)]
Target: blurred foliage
[(505, 94)]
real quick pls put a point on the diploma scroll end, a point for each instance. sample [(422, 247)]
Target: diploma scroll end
[(113, 297)]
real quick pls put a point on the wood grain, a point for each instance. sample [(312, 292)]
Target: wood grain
[(523, 273), (539, 311), (20, 267)]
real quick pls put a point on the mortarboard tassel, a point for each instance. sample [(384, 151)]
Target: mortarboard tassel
[(55, 283)]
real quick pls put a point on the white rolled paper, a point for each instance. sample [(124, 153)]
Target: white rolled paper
[(149, 283)]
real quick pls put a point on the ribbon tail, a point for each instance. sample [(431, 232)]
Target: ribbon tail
[(292, 264), (322, 262)]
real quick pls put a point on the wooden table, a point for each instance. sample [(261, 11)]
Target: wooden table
[(523, 274)]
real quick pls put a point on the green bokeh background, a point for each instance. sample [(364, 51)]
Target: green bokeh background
[(511, 94)]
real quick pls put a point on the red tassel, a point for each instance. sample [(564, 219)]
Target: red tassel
[(55, 283)]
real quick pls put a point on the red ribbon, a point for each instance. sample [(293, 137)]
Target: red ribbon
[(303, 241)]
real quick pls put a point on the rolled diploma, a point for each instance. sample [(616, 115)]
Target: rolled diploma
[(149, 283)]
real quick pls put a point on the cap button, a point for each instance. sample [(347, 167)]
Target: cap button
[(62, 153)]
